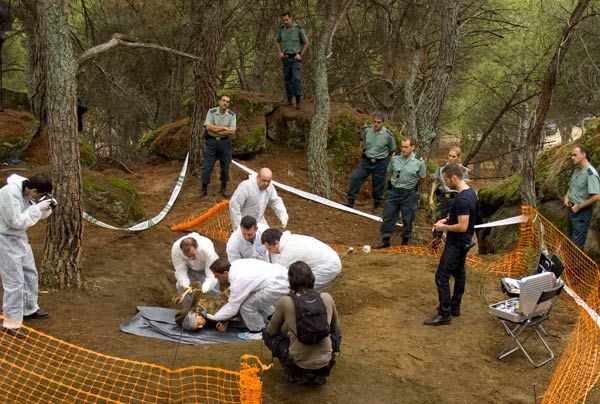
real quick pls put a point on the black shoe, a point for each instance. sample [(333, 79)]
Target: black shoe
[(438, 319), (320, 380), (405, 240), (224, 191), (298, 105), (203, 192), (455, 311), (289, 102), (349, 204), (385, 243), (38, 314), (16, 332)]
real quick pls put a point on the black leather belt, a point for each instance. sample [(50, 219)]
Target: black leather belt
[(216, 137), (370, 160), (291, 55)]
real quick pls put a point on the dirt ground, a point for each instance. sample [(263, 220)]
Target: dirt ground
[(388, 356)]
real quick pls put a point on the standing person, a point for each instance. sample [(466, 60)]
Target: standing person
[(23, 202), (220, 124), (302, 362), (254, 288), (407, 171), (459, 226), (192, 256), (322, 259), (291, 44), (583, 193), (252, 197), (444, 194), (379, 145), (245, 241)]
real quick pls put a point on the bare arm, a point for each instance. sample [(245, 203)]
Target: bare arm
[(460, 227), (588, 202)]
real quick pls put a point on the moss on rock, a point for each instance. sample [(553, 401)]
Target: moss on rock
[(113, 200)]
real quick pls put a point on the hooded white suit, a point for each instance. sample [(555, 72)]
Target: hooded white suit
[(17, 266), (249, 200)]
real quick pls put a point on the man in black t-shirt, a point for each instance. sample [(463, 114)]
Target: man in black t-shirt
[(459, 226)]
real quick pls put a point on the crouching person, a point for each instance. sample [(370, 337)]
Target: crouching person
[(303, 332)]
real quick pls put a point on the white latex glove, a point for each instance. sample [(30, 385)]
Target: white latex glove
[(284, 223), (209, 283), (44, 205), (210, 316)]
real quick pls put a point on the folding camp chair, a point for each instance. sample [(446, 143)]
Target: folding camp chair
[(523, 316)]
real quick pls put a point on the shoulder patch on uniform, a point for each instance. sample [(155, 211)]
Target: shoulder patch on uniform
[(230, 112), (590, 171), (212, 110), (389, 132)]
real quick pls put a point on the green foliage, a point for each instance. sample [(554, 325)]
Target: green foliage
[(86, 152), (343, 141), (251, 141), (147, 139), (124, 185)]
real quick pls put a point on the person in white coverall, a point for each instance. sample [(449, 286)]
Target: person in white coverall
[(322, 259), (254, 288), (192, 256), (23, 203), (251, 198), (245, 241)]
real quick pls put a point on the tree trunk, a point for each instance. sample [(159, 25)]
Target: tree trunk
[(264, 45), (318, 171), (429, 109), (205, 74), (61, 266), (35, 69), (534, 137)]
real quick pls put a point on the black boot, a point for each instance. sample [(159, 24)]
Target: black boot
[(376, 205), (224, 190), (349, 203), (289, 102), (298, 103), (438, 319), (384, 243), (204, 191), (405, 240)]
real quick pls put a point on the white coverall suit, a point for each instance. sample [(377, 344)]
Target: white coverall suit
[(324, 262), (254, 288), (17, 266)]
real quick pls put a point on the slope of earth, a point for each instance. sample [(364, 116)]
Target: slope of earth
[(388, 356)]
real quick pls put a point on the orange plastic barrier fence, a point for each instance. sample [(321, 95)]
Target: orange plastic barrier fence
[(43, 369), (578, 370), (40, 368)]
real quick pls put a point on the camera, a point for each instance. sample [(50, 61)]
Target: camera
[(51, 198)]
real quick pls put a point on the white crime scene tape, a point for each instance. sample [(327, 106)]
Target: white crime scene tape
[(156, 219)]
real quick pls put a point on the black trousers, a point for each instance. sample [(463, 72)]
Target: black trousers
[(452, 264), (280, 347)]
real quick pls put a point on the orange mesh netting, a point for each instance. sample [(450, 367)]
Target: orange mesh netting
[(40, 368), (578, 370), (43, 369)]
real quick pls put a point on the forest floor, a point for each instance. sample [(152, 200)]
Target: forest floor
[(388, 355)]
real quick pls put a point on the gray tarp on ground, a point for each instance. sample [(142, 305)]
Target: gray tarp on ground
[(159, 322)]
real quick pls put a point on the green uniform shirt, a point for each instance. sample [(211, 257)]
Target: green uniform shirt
[(584, 183), (214, 117), (291, 38), (406, 172), (440, 177), (378, 145)]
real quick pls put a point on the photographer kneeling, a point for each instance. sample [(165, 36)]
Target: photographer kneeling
[(306, 345)]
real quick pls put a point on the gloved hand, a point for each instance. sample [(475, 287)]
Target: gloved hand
[(209, 283), (284, 223), (210, 316), (44, 205)]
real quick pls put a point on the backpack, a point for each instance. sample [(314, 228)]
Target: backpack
[(311, 318)]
